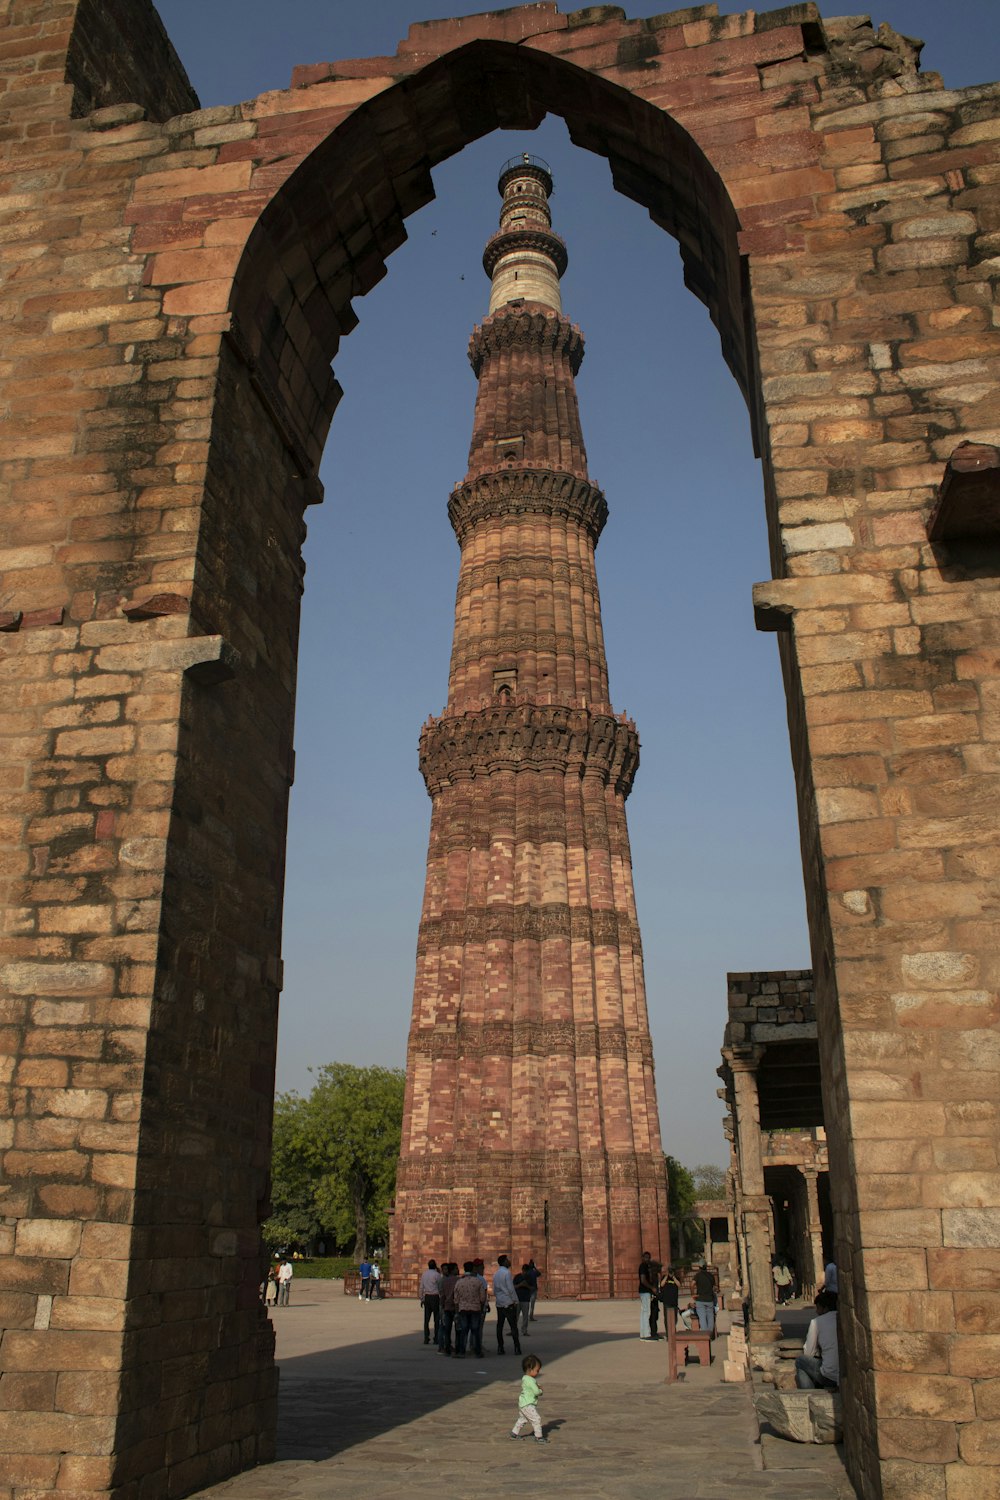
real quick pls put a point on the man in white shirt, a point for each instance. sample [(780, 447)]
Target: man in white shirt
[(430, 1299), (506, 1300), (818, 1366), (285, 1274)]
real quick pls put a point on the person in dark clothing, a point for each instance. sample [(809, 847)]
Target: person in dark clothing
[(534, 1276), (704, 1297), (449, 1276), (655, 1272), (668, 1295), (523, 1288), (647, 1286)]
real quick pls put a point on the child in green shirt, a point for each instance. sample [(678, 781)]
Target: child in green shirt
[(527, 1409)]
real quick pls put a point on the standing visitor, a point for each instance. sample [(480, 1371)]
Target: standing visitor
[(430, 1300), (535, 1276), (505, 1298), (375, 1283), (668, 1295), (285, 1274), (522, 1286), (470, 1300), (655, 1272), (704, 1297), (527, 1401), (647, 1287), (449, 1276), (480, 1269), (782, 1278), (830, 1282), (365, 1272)]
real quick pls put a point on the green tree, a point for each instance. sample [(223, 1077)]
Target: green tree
[(681, 1192), (682, 1195), (294, 1218), (333, 1165), (356, 1118)]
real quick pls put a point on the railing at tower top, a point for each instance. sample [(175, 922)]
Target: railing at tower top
[(525, 160)]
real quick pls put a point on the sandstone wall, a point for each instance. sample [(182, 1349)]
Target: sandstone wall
[(182, 281)]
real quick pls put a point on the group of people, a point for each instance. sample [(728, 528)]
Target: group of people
[(459, 1304), (370, 1273), (455, 1306), (659, 1287), (276, 1288)]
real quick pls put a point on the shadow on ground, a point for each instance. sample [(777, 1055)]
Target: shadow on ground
[(320, 1416)]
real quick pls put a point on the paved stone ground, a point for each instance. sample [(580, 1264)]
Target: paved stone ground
[(366, 1409)]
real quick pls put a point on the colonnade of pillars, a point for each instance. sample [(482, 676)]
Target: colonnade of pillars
[(764, 1227)]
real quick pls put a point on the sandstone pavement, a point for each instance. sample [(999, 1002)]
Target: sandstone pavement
[(366, 1409)]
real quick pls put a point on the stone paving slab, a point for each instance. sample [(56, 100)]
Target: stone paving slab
[(366, 1409)]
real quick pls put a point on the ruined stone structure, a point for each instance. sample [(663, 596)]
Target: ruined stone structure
[(717, 1220), (775, 1126), (530, 1122), (175, 285)]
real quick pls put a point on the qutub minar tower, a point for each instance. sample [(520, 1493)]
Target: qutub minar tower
[(530, 1123)]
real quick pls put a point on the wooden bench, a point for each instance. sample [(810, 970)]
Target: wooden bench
[(681, 1342)]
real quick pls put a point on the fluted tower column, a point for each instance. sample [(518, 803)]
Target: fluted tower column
[(530, 1122)]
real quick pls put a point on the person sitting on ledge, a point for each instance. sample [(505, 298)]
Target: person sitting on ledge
[(818, 1366)]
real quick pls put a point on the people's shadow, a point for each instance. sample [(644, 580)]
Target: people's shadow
[(333, 1400)]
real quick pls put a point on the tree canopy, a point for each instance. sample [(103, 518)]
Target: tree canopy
[(334, 1157), (681, 1192), (709, 1180)]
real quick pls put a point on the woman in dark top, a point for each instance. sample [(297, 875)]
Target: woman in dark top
[(668, 1295), (523, 1287)]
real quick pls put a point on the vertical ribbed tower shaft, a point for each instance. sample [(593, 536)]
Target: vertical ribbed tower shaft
[(531, 1121)]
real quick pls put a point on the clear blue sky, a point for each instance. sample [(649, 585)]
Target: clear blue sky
[(712, 817)]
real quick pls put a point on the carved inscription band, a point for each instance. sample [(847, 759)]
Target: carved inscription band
[(531, 1038), (507, 922), (551, 1169)]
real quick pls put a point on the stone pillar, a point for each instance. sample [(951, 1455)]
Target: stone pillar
[(757, 1213), (811, 1276)]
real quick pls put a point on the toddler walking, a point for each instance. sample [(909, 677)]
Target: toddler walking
[(527, 1407)]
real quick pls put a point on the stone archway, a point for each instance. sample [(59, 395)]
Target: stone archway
[(183, 281)]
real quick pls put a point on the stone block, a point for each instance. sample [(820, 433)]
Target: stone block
[(802, 1416), (939, 1397), (921, 1441), (48, 1237), (59, 1349)]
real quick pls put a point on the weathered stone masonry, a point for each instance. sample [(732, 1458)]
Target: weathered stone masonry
[(175, 284)]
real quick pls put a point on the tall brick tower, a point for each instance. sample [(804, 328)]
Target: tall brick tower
[(530, 1123)]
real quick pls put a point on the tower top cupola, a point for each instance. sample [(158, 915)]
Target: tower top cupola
[(525, 259)]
